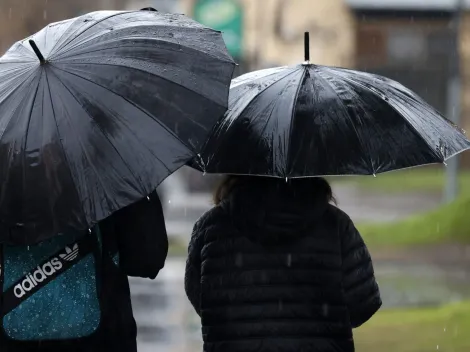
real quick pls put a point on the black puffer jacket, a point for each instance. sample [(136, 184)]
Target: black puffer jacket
[(270, 273)]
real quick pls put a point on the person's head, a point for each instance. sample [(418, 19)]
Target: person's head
[(316, 188)]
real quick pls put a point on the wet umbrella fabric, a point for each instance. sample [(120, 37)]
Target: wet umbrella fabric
[(96, 111), (310, 120)]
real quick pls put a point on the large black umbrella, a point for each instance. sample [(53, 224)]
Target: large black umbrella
[(96, 111), (311, 120)]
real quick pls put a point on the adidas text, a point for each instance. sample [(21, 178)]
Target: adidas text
[(43, 271)]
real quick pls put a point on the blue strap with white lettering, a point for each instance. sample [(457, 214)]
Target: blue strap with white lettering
[(46, 272)]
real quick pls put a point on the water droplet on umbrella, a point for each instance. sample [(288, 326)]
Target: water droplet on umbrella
[(289, 260), (169, 201)]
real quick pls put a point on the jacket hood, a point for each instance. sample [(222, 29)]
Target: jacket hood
[(275, 213)]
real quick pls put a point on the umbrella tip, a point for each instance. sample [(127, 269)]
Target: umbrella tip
[(38, 53), (307, 48)]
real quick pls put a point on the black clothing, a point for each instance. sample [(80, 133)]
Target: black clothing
[(139, 235), (272, 271)]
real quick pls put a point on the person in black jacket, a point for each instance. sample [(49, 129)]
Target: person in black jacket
[(275, 267), (137, 235)]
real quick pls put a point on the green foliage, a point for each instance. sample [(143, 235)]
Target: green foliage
[(417, 330), (448, 223), (423, 179)]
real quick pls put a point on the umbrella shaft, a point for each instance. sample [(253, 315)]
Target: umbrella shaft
[(37, 52), (307, 46)]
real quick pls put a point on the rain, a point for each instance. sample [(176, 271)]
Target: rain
[(414, 221)]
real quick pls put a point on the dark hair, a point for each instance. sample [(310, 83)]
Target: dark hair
[(315, 187)]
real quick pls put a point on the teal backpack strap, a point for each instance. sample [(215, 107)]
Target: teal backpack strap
[(45, 272)]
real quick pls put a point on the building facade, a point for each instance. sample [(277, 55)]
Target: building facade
[(273, 32), (412, 42)]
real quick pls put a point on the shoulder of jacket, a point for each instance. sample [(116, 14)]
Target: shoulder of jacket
[(338, 215), (211, 217)]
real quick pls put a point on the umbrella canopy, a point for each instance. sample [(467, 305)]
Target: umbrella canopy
[(96, 111), (311, 120)]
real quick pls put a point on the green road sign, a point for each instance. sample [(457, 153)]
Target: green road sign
[(225, 16)]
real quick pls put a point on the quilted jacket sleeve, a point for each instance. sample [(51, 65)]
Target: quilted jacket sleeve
[(361, 289), (192, 279)]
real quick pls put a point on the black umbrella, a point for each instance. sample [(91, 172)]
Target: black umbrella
[(311, 120), (96, 111)]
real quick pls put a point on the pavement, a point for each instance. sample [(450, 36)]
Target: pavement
[(166, 320)]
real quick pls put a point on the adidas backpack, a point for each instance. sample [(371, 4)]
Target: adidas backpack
[(51, 291)]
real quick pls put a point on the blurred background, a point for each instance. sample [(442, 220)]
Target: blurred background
[(416, 222)]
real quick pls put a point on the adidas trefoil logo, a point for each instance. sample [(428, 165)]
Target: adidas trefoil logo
[(70, 253)]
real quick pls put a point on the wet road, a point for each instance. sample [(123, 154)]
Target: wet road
[(166, 320)]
